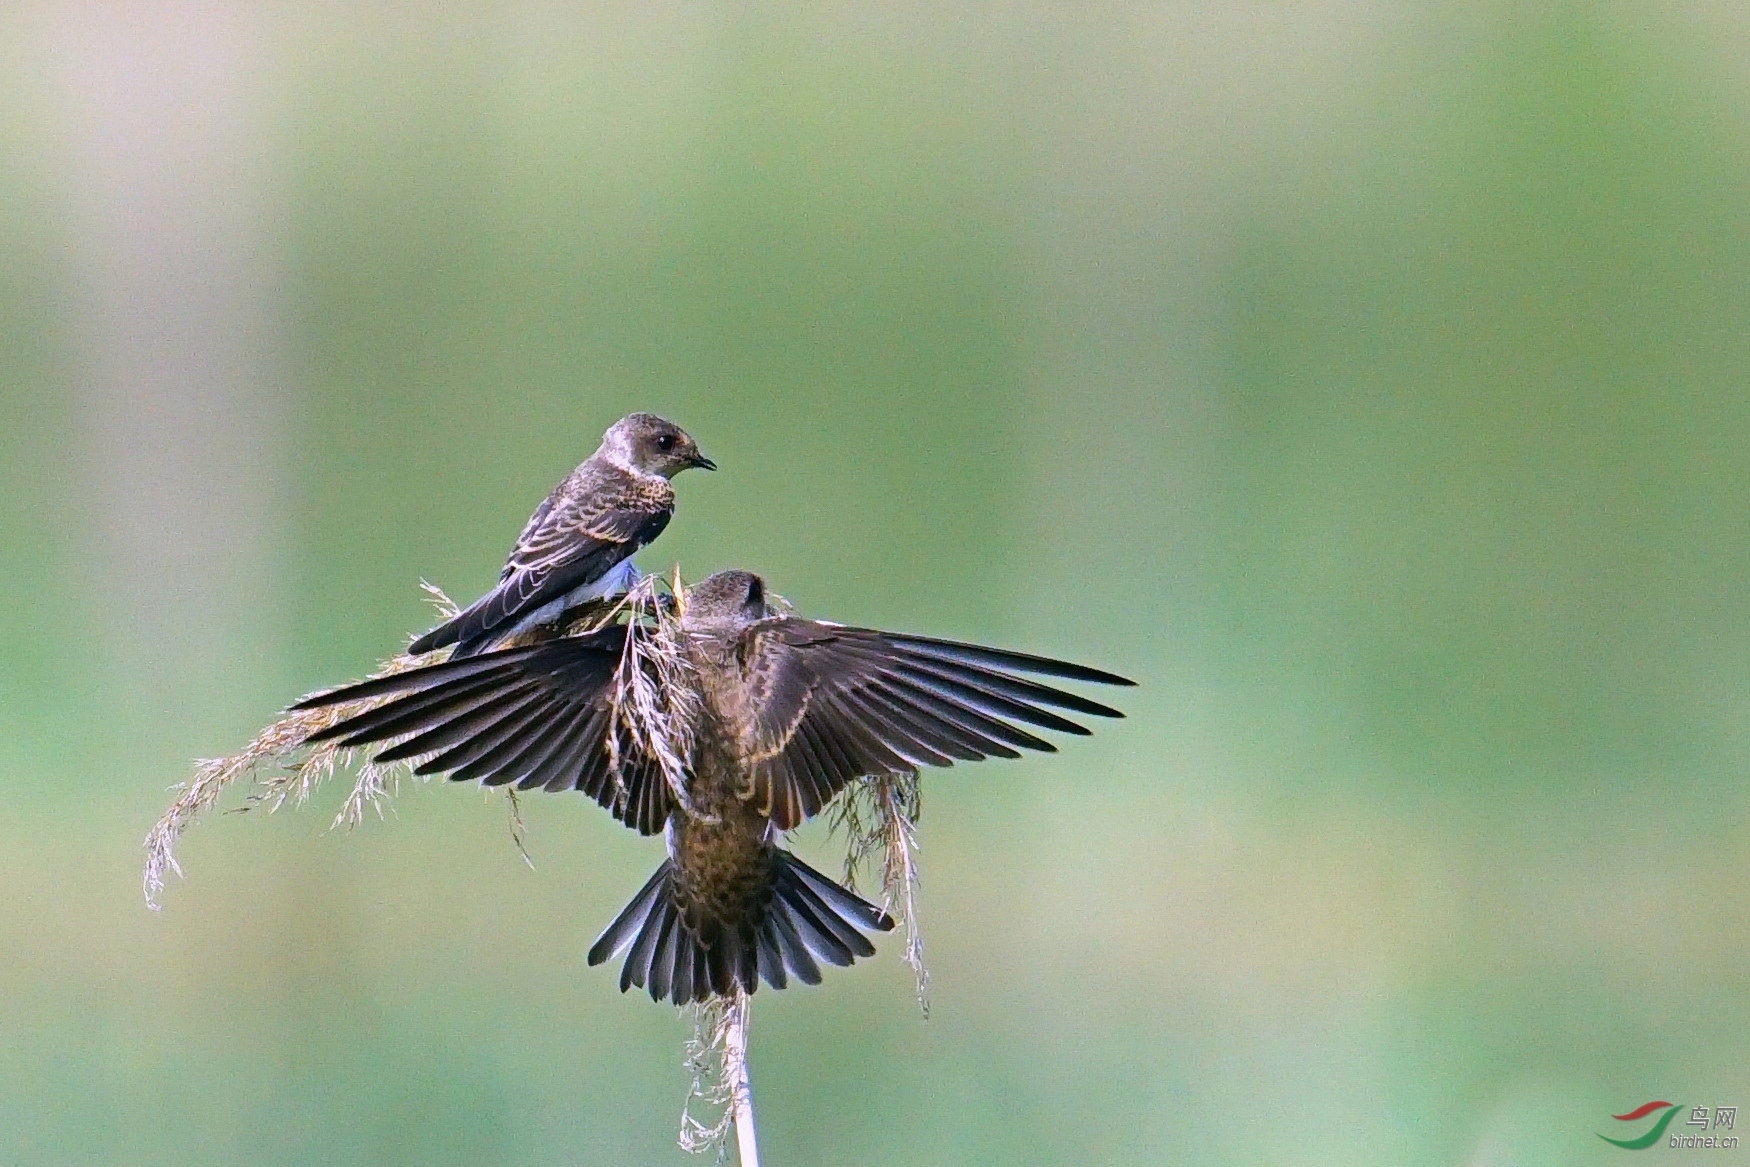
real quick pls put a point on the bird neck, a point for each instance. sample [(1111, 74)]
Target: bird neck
[(620, 460)]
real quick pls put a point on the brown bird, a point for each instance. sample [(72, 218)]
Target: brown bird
[(790, 711), (578, 544)]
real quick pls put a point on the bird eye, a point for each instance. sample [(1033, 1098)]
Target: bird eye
[(665, 442)]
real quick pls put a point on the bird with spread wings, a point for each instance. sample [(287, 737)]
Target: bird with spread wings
[(790, 711)]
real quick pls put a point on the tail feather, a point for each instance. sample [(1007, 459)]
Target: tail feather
[(808, 920), (816, 927), (846, 903), (663, 965), (681, 975), (643, 951), (797, 958), (770, 962), (625, 928)]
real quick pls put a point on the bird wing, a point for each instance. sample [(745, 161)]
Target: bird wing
[(574, 538), (537, 716), (831, 704)]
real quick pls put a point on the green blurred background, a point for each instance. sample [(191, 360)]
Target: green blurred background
[(1367, 379)]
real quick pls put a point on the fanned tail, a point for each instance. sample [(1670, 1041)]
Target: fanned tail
[(807, 920)]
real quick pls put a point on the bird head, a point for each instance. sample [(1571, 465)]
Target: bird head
[(726, 602), (647, 444)]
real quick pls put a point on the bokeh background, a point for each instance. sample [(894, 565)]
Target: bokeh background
[(1366, 378)]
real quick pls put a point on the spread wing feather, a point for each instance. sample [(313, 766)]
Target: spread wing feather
[(535, 716), (832, 704)]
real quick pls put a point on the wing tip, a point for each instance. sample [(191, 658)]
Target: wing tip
[(326, 733), (433, 640), (1025, 662)]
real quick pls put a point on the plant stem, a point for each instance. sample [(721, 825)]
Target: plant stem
[(740, 1084)]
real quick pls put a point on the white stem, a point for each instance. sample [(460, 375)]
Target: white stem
[(740, 1084)]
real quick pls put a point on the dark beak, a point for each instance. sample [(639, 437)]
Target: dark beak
[(701, 462)]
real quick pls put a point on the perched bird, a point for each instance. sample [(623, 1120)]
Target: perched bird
[(578, 544), (789, 711)]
